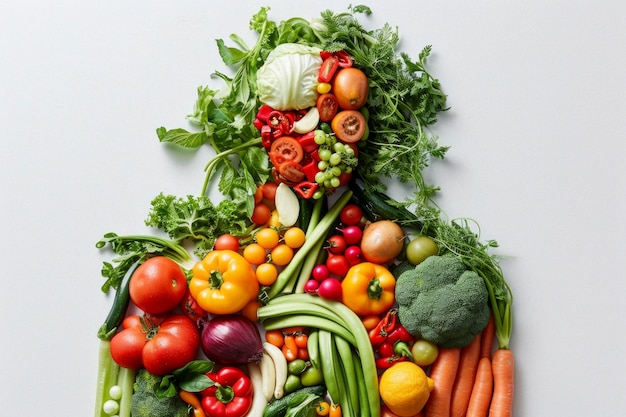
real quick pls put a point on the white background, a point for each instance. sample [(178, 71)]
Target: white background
[(537, 128)]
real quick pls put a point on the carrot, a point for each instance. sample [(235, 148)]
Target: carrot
[(462, 389), (483, 388), (487, 338), (443, 373), (503, 367), (191, 399)]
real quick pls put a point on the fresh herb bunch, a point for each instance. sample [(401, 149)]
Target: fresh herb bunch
[(196, 219), (404, 99)]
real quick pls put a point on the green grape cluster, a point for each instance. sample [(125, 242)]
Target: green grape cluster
[(336, 158)]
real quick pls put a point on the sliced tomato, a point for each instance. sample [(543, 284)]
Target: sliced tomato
[(287, 148), (349, 125), (292, 171), (327, 106)]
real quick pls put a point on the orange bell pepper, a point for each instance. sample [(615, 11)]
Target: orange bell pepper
[(368, 288), (223, 282)]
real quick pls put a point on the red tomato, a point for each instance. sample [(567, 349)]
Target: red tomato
[(337, 264), (161, 349), (226, 241), (158, 285), (174, 345), (351, 215), (336, 244), (292, 171), (327, 106), (261, 214)]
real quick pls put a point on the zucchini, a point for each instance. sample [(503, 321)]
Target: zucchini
[(120, 305), (279, 407), (376, 206)]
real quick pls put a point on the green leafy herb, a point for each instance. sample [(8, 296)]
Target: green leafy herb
[(134, 248), (404, 99), (196, 219)]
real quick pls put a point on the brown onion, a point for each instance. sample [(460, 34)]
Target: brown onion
[(382, 241), (231, 339)]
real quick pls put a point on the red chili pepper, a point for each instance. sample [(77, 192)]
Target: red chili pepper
[(328, 69), (308, 142), (386, 325), (399, 333), (306, 189), (231, 396), (345, 60), (266, 136), (384, 363)]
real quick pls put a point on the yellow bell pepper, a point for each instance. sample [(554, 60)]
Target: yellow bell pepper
[(223, 282), (368, 288)]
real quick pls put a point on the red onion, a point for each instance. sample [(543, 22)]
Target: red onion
[(231, 339)]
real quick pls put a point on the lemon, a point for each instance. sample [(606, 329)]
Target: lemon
[(405, 388)]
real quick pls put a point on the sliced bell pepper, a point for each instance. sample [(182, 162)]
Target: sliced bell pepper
[(306, 189), (328, 69), (223, 282), (368, 288), (230, 396)]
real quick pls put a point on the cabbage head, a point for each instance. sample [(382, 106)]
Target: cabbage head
[(288, 78)]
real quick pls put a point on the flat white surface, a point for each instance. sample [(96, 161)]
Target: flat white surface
[(537, 127)]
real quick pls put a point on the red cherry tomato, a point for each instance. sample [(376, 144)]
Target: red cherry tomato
[(226, 241), (330, 289)]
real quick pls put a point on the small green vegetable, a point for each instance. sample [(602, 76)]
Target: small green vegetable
[(145, 402), (440, 300), (295, 404)]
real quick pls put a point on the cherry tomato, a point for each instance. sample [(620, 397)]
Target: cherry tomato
[(322, 409), (336, 244), (294, 237), (349, 125), (158, 285), (330, 289), (261, 214), (267, 237), (281, 255), (191, 308), (337, 265), (226, 241), (275, 337), (269, 190), (351, 88), (420, 248), (351, 215), (266, 273), (327, 106), (424, 352), (258, 195), (255, 254)]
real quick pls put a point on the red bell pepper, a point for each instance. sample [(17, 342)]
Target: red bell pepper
[(230, 396), (306, 189), (328, 69)]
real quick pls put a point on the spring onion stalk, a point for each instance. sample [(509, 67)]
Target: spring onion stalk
[(317, 234), (126, 380), (108, 372)]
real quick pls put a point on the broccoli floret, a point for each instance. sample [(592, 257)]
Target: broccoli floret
[(145, 403), (442, 301)]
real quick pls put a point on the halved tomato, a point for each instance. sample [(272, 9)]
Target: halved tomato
[(327, 106), (349, 125), (292, 171)]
